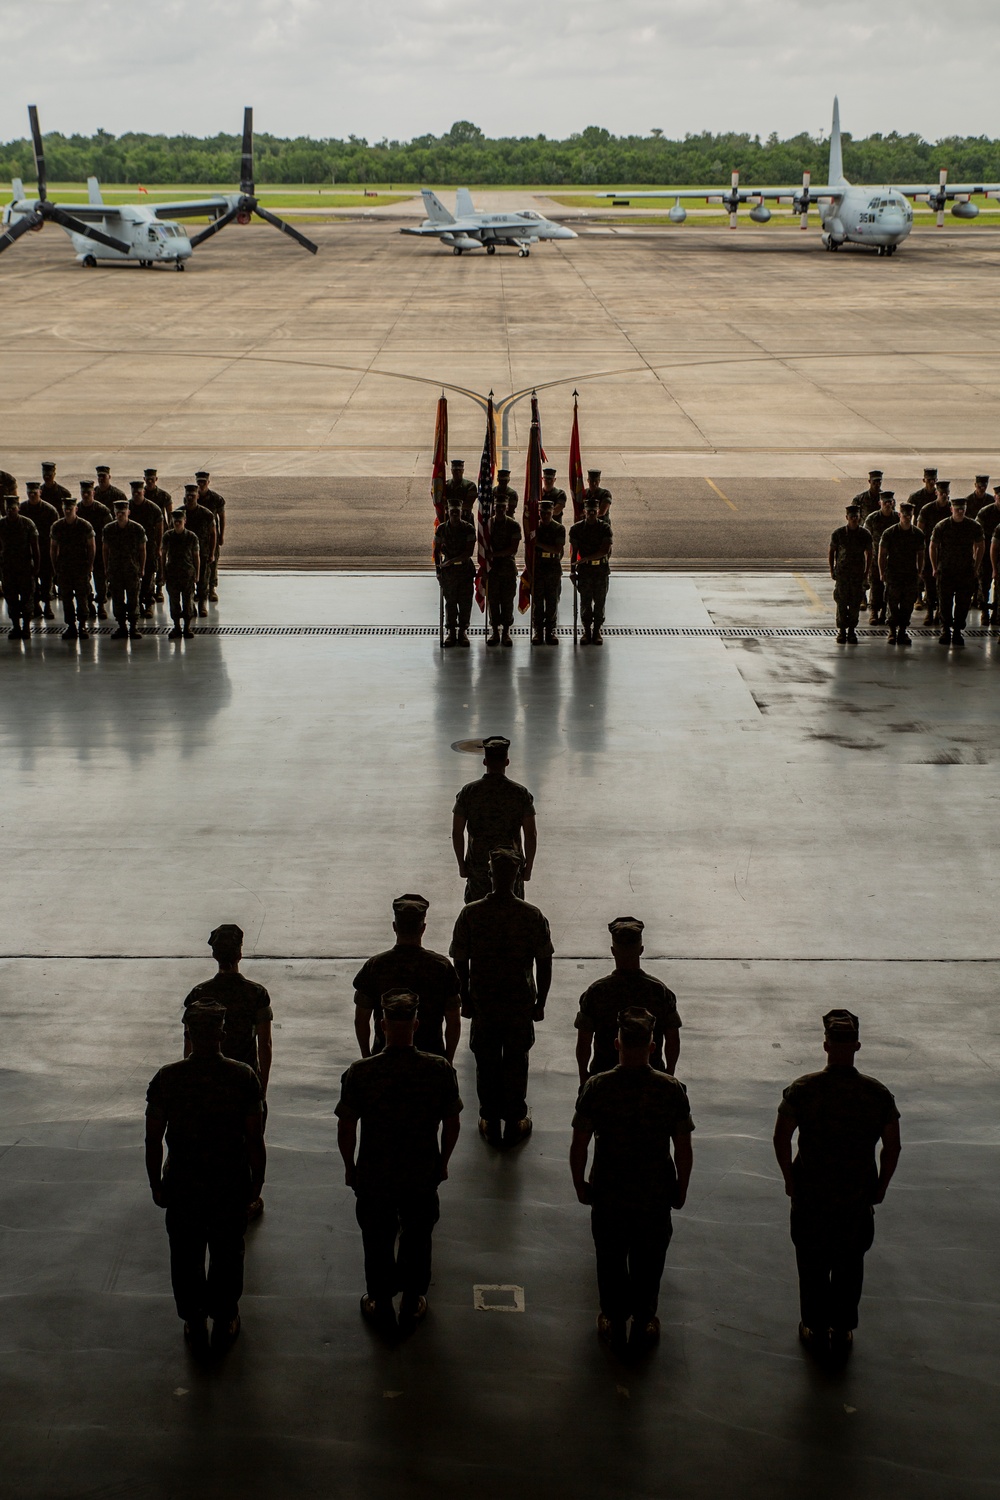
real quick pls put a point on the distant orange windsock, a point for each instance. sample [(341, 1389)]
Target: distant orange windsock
[(142, 189)]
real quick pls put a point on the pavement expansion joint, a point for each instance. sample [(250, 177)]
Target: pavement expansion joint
[(710, 632)]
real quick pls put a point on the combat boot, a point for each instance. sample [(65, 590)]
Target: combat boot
[(904, 638), (176, 633), (134, 633), (102, 613), (37, 611), (213, 597), (505, 639), (494, 637), (159, 596), (449, 640), (537, 639), (47, 612), (69, 634), (852, 637), (891, 638), (597, 639), (203, 611), (958, 640), (463, 637), (551, 639), (121, 634), (841, 637), (188, 632), (585, 638), (83, 634), (26, 628), (14, 634), (944, 639), (146, 610)]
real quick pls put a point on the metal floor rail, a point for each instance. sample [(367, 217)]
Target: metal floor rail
[(708, 632)]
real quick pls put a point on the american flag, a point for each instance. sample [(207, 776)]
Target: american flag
[(484, 518)]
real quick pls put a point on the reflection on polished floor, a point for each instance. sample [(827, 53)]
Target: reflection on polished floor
[(798, 826)]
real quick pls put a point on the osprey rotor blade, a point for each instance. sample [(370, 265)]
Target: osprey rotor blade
[(36, 146), (286, 229), (77, 226), (213, 228), (246, 162), (15, 231)]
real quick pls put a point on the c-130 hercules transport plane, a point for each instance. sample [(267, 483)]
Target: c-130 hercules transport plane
[(476, 231), (879, 217)]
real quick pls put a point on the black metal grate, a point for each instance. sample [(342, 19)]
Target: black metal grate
[(707, 632)]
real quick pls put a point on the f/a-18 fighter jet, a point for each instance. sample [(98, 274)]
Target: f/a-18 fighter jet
[(468, 230)]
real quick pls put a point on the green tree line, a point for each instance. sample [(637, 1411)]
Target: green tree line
[(464, 155)]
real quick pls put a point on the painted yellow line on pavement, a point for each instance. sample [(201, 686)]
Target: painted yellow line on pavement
[(815, 601), (715, 487)]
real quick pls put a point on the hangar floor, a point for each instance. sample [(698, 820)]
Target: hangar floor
[(798, 824)]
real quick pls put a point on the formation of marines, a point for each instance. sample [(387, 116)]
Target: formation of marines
[(934, 550), (402, 1096), (104, 548), (456, 542)]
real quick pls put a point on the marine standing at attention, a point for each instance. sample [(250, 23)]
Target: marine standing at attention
[(52, 492), (164, 500), (408, 965), (181, 566), (124, 546), (590, 550), (147, 514), (503, 953), (636, 1113), (868, 500), (900, 565), (850, 560), (401, 1098), (248, 1011), (938, 509), (209, 1108), (988, 518), (501, 588), (550, 544), (19, 551), (72, 545), (44, 516), (454, 544), (495, 812), (550, 491), (201, 520), (504, 498), (217, 505), (461, 489), (956, 547), (603, 1002), (97, 515), (878, 522), (596, 491), (107, 493), (840, 1116)]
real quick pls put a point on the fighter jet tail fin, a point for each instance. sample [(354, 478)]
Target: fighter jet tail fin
[(464, 206), (835, 176), (436, 211), (94, 193)]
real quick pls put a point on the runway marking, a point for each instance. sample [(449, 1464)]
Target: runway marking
[(512, 1299), (713, 486), (815, 602)]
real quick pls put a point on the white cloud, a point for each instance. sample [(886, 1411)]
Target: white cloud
[(404, 67)]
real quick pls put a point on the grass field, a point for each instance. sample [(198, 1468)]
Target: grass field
[(274, 197)]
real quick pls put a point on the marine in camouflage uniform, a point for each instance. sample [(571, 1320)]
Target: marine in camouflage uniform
[(869, 500), (988, 518), (590, 549), (401, 1098), (454, 544), (72, 546), (209, 1108), (181, 567), (494, 811), (200, 520), (8, 484), (957, 545), (501, 586), (44, 516), (978, 496), (125, 550), (504, 498), (900, 563), (850, 559), (878, 522), (595, 491), (928, 516), (408, 965), (629, 987), (52, 492), (149, 516), (840, 1116), (546, 586), (636, 1114), (18, 567), (551, 491), (503, 953), (217, 505), (97, 515), (460, 490), (247, 1005), (164, 500)]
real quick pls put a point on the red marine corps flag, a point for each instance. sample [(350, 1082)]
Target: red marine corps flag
[(440, 468), (576, 465), (529, 510), (484, 508)]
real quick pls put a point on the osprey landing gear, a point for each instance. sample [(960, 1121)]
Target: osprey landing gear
[(90, 261)]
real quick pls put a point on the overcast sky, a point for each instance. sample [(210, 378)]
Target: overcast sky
[(401, 68)]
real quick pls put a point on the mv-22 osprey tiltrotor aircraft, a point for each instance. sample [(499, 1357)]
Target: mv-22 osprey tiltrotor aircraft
[(475, 231), (879, 217), (148, 235)]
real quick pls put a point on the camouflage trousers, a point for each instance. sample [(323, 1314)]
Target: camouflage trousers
[(848, 593), (19, 592), (180, 593), (501, 1051), (74, 594), (830, 1245), (901, 596), (404, 1217), (631, 1245), (201, 1224), (955, 594), (592, 585), (501, 592), (457, 585), (123, 590), (545, 594)]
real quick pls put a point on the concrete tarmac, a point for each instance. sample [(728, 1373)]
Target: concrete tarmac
[(792, 820)]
